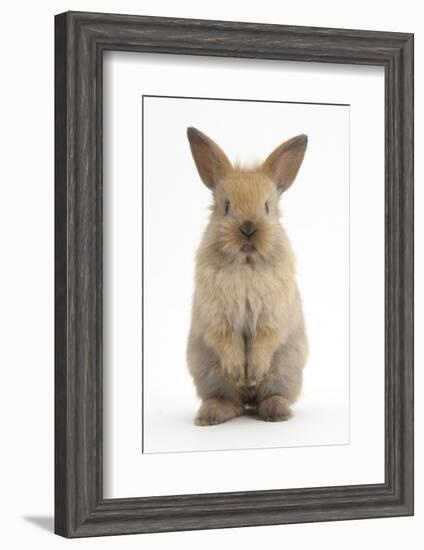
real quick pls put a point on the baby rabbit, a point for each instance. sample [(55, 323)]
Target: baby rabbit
[(247, 344)]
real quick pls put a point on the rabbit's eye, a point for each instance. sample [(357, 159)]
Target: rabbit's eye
[(226, 207), (267, 207)]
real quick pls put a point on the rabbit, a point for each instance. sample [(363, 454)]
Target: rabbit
[(247, 344)]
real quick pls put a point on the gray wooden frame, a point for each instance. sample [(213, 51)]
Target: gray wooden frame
[(80, 40)]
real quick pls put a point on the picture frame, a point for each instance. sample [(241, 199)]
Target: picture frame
[(80, 42)]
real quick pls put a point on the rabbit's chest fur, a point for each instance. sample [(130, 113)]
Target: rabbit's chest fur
[(245, 294)]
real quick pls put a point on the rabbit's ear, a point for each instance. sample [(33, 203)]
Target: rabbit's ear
[(284, 162), (211, 162)]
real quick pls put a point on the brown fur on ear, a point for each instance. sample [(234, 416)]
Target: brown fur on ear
[(284, 162), (211, 162)]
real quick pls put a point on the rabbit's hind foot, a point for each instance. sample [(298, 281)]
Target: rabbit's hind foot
[(215, 411)]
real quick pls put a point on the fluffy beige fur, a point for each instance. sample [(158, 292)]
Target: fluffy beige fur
[(247, 345)]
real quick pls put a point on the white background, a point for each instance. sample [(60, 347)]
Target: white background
[(26, 290), (322, 417), (316, 216)]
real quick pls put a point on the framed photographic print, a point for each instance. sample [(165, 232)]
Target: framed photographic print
[(234, 274)]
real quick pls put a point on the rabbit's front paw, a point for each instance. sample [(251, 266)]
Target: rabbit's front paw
[(234, 371), (255, 374), (257, 367)]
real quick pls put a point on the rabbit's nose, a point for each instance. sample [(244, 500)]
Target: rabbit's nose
[(248, 228)]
